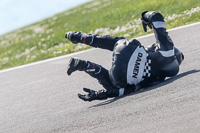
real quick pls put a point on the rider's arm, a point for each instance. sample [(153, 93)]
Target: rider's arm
[(169, 66), (156, 20), (104, 94)]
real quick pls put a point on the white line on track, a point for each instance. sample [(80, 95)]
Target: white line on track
[(72, 54), (177, 28), (47, 60)]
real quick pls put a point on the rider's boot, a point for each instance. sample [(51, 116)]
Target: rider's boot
[(82, 65)]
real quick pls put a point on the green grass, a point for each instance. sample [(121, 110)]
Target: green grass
[(45, 39)]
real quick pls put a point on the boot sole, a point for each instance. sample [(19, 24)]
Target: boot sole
[(71, 62)]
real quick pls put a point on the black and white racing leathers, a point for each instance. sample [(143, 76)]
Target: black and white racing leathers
[(134, 66)]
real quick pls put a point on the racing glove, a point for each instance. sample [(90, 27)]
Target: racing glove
[(104, 94), (149, 17), (145, 21), (93, 95)]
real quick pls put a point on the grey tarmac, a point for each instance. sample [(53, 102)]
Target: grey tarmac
[(41, 98)]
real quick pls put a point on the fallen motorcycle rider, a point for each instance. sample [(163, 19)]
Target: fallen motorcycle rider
[(134, 67)]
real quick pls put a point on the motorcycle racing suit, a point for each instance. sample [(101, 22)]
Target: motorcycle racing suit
[(133, 66)]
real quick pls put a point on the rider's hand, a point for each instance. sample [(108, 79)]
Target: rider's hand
[(93, 95), (88, 97), (145, 21), (74, 37)]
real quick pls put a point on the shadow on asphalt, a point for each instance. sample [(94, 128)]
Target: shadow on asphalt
[(166, 82)]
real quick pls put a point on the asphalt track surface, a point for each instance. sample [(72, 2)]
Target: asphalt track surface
[(41, 98)]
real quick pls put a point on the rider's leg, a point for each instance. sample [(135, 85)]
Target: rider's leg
[(94, 70)]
